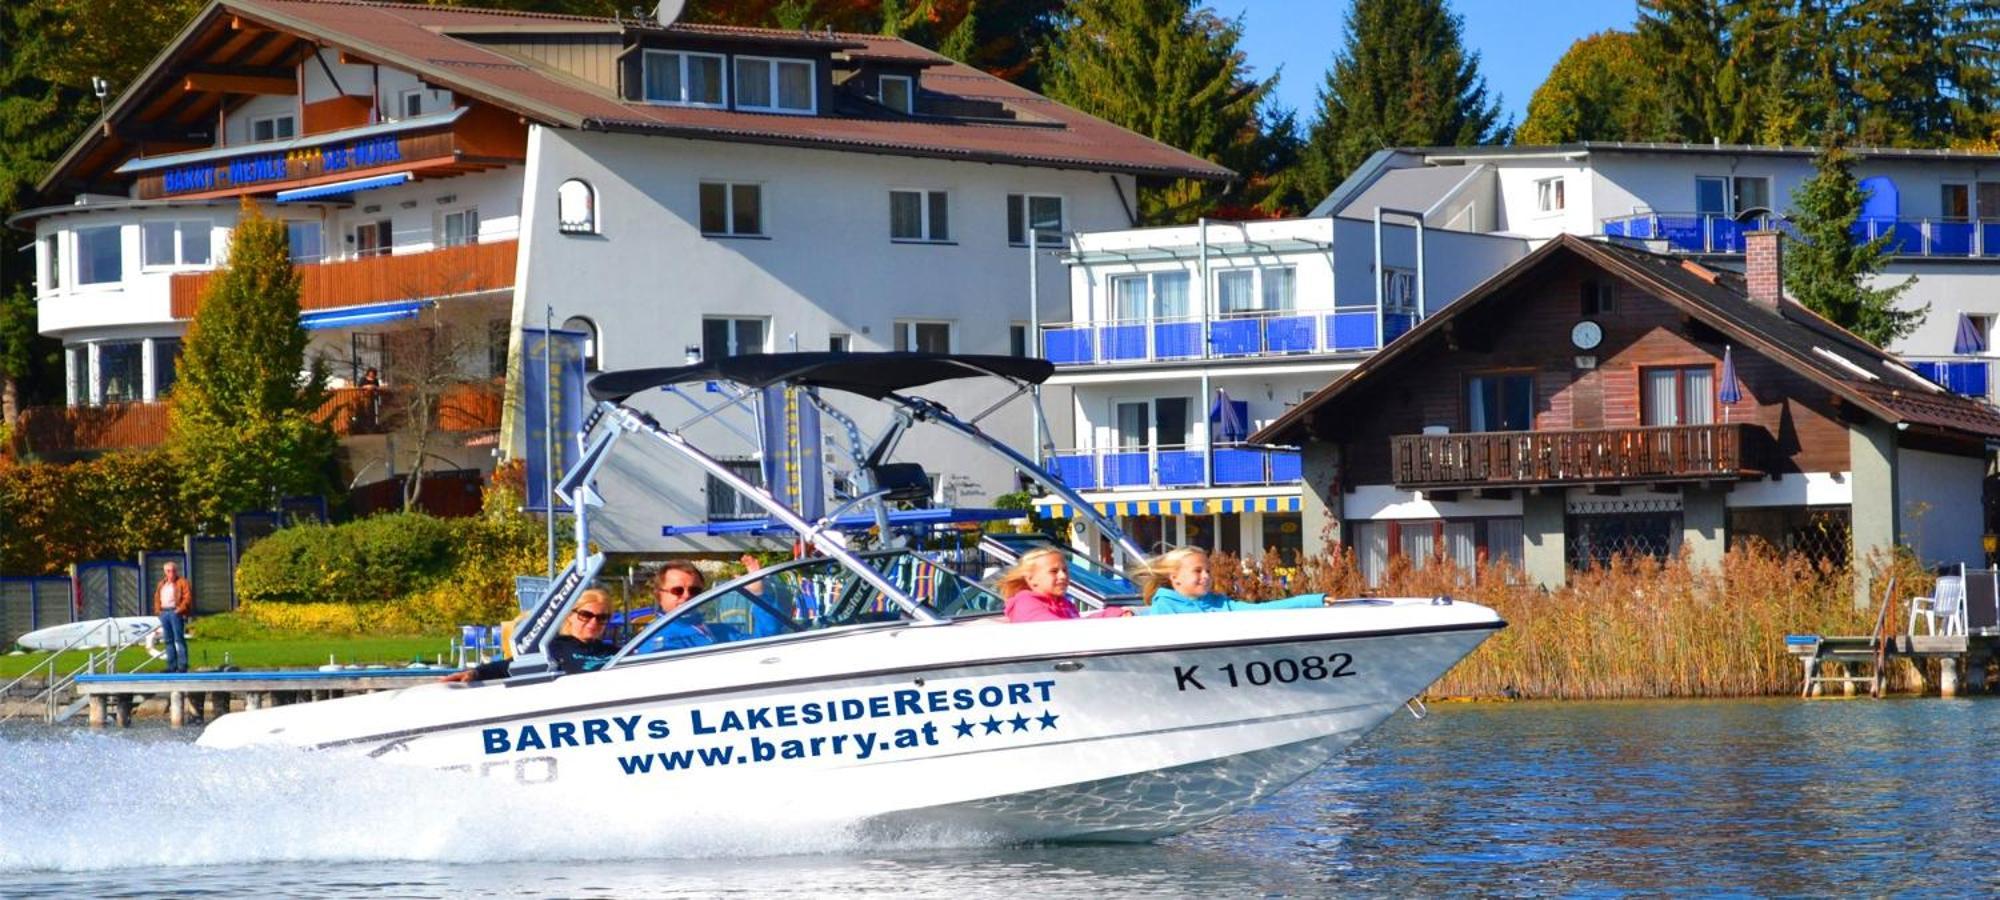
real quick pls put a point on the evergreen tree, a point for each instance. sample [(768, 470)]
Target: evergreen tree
[(1686, 43), (1403, 78), (243, 427), (1166, 71), (1827, 271), (1601, 90)]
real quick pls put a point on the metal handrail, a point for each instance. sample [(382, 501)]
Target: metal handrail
[(57, 683)]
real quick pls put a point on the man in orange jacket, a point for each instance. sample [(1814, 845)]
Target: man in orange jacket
[(174, 601)]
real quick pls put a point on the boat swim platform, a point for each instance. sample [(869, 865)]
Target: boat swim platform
[(1962, 660), (195, 695)]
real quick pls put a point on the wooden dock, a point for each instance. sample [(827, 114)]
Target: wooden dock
[(197, 695), (1850, 661)]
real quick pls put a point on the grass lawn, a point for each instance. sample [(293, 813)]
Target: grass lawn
[(217, 638)]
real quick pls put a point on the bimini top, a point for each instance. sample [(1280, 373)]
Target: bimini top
[(872, 375)]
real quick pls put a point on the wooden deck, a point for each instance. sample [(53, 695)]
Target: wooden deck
[(1851, 661), (197, 695), (1599, 456)]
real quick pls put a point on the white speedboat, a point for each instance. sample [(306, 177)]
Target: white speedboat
[(884, 685)]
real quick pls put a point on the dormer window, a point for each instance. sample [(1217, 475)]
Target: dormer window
[(273, 128), (774, 85), (898, 92), (686, 79)]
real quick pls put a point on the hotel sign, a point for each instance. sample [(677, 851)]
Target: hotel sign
[(271, 171)]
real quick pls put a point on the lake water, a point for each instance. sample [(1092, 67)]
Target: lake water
[(1747, 797)]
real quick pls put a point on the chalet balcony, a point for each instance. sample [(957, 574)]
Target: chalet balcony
[(471, 406), (1675, 453), (1249, 335), (359, 281), (1234, 465), (1685, 232), (60, 432)]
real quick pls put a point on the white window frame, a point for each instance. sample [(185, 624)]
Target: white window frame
[(53, 277), (77, 253), (1550, 195), (1152, 444), (180, 261), (840, 342), (731, 347), (927, 228), (646, 62), (771, 82), (471, 229), (909, 107), (273, 120), (1152, 312), (1026, 204), (589, 223), (905, 338), (1735, 208), (319, 227), (403, 102), (729, 210), (1259, 287)]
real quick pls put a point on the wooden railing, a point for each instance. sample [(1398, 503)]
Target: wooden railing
[(444, 272), (1614, 455), (461, 407), (56, 431)]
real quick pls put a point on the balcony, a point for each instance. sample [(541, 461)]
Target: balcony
[(1715, 233), (1236, 336), (471, 406), (1966, 376), (1607, 456), (65, 431), (430, 274), (1236, 465)]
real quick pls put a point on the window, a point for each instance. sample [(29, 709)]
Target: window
[(174, 244), (1161, 423), (410, 103), (1598, 298), (1500, 403), (1987, 196), (1017, 339), (1399, 289), (725, 503), (1042, 213), (722, 337), (736, 210), (52, 261), (774, 85), (1955, 201), (373, 238), (1731, 196), (273, 128), (1678, 396), (924, 337), (690, 79), (166, 365), (100, 256), (592, 358), (919, 216), (1460, 542), (77, 357), (898, 92), (576, 207), (1167, 292), (839, 343), (305, 240), (120, 371), (1280, 287), (459, 227), (1549, 195), (1237, 290), (497, 335)]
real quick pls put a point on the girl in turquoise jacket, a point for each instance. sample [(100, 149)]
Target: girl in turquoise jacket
[(1178, 581)]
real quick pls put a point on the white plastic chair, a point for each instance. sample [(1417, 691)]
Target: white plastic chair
[(1947, 602)]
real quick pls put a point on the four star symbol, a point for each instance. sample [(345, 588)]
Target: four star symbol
[(993, 724)]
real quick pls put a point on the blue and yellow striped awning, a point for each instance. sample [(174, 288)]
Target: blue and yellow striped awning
[(1180, 507)]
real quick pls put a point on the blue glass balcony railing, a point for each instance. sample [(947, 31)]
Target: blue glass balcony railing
[(1961, 375), (1087, 469), (1716, 233), (1344, 329)]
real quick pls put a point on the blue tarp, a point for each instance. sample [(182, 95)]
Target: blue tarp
[(350, 316), (342, 187)]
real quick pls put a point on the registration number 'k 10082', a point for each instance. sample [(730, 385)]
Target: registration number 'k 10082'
[(1259, 672)]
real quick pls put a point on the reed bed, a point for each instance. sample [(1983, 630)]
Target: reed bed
[(1638, 628)]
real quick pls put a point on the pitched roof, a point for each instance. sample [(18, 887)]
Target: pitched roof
[(441, 45), (1799, 339)]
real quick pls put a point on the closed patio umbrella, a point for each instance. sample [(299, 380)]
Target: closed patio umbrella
[(1969, 339), (1228, 418), (1731, 391)]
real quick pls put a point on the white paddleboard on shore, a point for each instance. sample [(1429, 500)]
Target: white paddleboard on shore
[(91, 633)]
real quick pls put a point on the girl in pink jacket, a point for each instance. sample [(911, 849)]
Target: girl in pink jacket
[(1037, 589)]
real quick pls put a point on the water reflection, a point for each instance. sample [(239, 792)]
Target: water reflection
[(1747, 797)]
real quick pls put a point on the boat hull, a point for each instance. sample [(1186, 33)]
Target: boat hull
[(1103, 729)]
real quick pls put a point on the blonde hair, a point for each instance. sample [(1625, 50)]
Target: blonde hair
[(599, 596), (1015, 579), (1159, 571)]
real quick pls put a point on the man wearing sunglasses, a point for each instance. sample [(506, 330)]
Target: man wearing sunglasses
[(579, 648), (678, 581)]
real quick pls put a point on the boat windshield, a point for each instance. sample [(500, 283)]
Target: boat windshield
[(814, 595)]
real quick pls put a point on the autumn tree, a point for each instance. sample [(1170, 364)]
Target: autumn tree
[(1402, 78), (1164, 70), (244, 430), (1601, 90), (1828, 271)]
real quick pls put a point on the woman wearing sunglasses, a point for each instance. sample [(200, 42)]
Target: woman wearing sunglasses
[(579, 648)]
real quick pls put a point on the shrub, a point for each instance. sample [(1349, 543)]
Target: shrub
[(111, 507), (374, 559)]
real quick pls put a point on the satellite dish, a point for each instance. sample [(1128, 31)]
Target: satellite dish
[(668, 12)]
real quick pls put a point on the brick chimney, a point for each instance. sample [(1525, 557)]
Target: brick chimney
[(1763, 267)]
